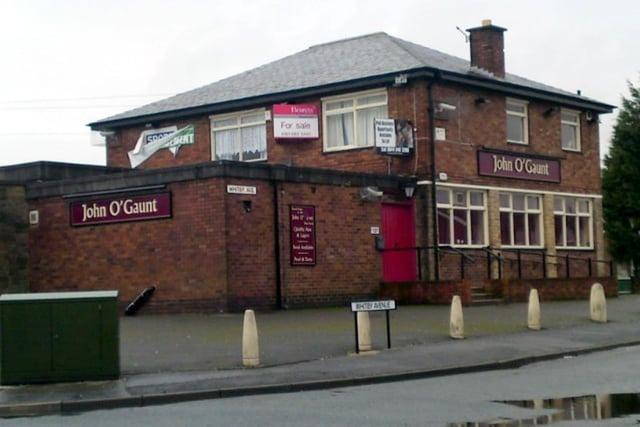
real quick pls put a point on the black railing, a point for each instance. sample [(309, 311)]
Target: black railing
[(525, 263)]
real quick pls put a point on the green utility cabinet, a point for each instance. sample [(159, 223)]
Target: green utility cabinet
[(59, 336)]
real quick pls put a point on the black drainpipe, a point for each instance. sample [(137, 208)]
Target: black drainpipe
[(276, 236), (434, 208)]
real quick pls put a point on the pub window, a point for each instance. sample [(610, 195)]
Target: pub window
[(570, 130), (461, 217), (573, 218), (517, 122), (520, 220), (239, 136), (348, 120)]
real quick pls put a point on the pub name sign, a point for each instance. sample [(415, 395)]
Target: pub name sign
[(519, 166), (120, 209)]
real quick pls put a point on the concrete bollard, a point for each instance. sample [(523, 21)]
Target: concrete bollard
[(456, 323), (250, 348), (364, 331), (598, 304), (533, 314)]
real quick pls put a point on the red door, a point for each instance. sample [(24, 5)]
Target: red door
[(398, 230)]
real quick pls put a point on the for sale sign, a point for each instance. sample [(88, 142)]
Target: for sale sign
[(295, 121)]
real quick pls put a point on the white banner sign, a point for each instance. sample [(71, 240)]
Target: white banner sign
[(152, 141)]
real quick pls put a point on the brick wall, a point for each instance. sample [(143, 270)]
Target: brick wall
[(13, 239), (468, 128), (215, 253), (552, 289), (473, 126), (427, 292), (347, 265), (184, 256)]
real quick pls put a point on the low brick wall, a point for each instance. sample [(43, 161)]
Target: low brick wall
[(426, 292), (550, 289)]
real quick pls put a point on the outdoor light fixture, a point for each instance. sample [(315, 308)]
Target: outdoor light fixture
[(549, 111), (443, 106), (480, 100), (246, 204), (409, 190)]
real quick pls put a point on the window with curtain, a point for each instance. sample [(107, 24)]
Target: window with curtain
[(348, 120), (239, 136), (573, 222), (461, 217), (521, 219)]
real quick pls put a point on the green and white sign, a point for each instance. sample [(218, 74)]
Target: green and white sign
[(152, 141)]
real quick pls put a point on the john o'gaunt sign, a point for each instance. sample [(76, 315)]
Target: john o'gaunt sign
[(120, 209), (519, 166)]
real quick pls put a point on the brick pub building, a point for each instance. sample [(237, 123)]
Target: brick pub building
[(267, 189)]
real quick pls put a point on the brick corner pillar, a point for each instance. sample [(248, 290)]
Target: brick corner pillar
[(549, 236), (14, 252), (602, 268), (495, 238)]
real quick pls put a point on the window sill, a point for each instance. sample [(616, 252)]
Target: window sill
[(446, 245), (520, 247), (517, 142), (348, 148), (574, 248), (571, 150)]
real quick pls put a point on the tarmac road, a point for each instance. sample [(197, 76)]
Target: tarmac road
[(430, 402)]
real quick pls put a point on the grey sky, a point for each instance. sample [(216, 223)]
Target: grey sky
[(66, 63)]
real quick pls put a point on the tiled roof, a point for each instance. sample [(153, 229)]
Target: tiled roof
[(330, 63)]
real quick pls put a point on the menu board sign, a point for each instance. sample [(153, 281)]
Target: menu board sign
[(302, 220)]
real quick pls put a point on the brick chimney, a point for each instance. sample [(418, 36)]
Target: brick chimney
[(487, 47)]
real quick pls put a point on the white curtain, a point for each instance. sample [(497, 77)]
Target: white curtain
[(339, 130), (365, 123), (225, 141), (254, 142)]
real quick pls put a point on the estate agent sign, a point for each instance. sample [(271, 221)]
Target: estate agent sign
[(302, 220), (154, 140), (393, 137), (295, 121), (520, 166), (120, 209)]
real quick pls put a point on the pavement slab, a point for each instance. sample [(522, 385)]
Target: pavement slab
[(192, 357)]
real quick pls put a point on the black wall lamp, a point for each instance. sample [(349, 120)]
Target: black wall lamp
[(480, 100), (549, 111), (246, 205)]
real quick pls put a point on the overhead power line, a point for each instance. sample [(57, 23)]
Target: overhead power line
[(88, 98)]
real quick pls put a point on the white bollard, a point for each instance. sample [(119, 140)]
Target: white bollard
[(250, 348), (364, 331), (598, 304), (533, 314), (456, 324)]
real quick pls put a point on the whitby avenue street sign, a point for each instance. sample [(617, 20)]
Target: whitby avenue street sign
[(373, 305), (295, 121), (519, 166), (120, 209)]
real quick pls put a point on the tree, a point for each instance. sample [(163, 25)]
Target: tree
[(621, 184)]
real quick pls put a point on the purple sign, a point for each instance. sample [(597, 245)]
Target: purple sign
[(520, 166), (302, 220), (120, 209)]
